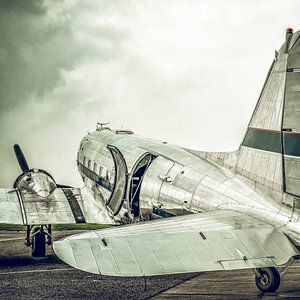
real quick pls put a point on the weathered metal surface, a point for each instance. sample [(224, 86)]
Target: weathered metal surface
[(247, 183), (10, 207), (25, 207), (291, 121), (269, 108), (55, 209), (228, 241), (152, 182), (94, 208), (261, 166)]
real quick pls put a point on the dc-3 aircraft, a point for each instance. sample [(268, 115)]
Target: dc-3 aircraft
[(229, 210)]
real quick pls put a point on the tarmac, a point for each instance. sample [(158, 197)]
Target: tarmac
[(25, 277)]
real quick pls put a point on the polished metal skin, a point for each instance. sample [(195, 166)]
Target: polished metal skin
[(238, 209), (229, 210)]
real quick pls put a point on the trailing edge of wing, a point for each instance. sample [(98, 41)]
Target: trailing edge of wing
[(218, 240), (64, 205)]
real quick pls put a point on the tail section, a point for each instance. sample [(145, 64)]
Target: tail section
[(270, 151)]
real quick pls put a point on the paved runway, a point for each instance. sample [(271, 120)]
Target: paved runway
[(23, 277), (233, 285)]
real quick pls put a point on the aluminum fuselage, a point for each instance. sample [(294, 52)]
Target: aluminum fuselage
[(171, 180)]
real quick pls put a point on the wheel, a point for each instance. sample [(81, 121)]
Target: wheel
[(269, 280), (38, 243)]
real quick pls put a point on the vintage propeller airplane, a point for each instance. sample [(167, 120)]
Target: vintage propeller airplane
[(232, 210)]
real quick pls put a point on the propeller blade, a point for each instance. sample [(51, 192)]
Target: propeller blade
[(21, 158)]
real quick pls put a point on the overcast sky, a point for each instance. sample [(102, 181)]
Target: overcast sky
[(188, 72)]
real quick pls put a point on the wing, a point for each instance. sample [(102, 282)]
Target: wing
[(217, 240), (64, 205)]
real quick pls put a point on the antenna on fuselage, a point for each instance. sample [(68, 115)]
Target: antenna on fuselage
[(101, 126)]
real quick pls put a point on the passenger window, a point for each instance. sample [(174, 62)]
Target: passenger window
[(89, 164), (95, 168)]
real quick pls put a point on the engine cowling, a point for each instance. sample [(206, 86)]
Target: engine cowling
[(38, 181)]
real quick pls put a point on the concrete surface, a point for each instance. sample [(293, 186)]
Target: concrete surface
[(24, 277), (233, 285)]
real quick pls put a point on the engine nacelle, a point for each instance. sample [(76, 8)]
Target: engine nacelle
[(38, 181)]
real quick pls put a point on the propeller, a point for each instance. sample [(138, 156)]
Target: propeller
[(21, 158), (36, 181)]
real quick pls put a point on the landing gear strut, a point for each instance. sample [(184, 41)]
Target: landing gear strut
[(267, 279), (37, 237)]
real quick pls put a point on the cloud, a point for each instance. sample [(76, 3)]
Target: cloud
[(186, 71), (42, 49)]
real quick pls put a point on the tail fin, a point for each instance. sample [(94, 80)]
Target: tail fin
[(270, 151)]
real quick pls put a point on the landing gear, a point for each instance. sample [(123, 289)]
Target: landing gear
[(37, 237), (267, 279)]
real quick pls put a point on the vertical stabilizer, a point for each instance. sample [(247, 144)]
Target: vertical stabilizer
[(270, 151)]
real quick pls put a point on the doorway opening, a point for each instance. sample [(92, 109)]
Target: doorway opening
[(136, 181)]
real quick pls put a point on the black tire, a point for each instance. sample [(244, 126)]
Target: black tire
[(269, 280), (38, 244)]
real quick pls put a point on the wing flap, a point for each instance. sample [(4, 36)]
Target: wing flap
[(54, 209), (148, 249)]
